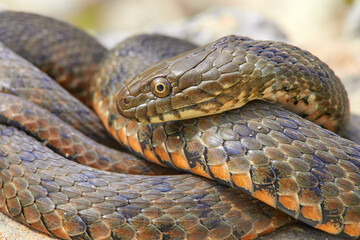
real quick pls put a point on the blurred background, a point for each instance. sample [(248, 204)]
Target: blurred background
[(330, 29)]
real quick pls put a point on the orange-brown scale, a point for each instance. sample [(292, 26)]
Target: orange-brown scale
[(290, 202), (243, 181), (331, 227), (69, 144), (200, 170), (179, 160), (265, 196), (352, 229), (40, 227), (312, 213), (250, 235), (220, 172), (162, 153)]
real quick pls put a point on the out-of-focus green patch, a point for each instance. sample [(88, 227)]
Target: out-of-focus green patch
[(348, 2), (87, 18)]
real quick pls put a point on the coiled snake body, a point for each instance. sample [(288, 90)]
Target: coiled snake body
[(269, 153)]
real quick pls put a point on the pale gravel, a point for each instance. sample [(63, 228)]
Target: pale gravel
[(12, 230)]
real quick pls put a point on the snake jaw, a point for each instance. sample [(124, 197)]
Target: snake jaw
[(138, 101)]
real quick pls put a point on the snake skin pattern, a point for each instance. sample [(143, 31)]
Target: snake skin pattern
[(71, 69), (230, 72), (269, 153)]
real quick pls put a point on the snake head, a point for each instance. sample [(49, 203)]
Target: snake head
[(136, 101), (165, 91), (195, 83)]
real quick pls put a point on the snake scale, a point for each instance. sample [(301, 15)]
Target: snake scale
[(287, 162)]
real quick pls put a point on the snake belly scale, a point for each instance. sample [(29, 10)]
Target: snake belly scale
[(269, 153)]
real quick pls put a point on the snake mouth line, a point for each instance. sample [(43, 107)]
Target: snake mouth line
[(205, 108)]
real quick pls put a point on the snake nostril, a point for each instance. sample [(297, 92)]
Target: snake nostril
[(126, 101)]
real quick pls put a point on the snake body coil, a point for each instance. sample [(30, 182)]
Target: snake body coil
[(271, 154)]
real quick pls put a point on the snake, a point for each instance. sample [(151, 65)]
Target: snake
[(219, 111)]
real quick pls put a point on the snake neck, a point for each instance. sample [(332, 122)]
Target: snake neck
[(123, 63), (228, 73)]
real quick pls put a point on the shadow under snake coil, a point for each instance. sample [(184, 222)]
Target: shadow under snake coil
[(269, 153)]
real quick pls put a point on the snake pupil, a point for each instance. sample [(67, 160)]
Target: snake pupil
[(160, 87)]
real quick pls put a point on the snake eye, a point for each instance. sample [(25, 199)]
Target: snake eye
[(160, 87)]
